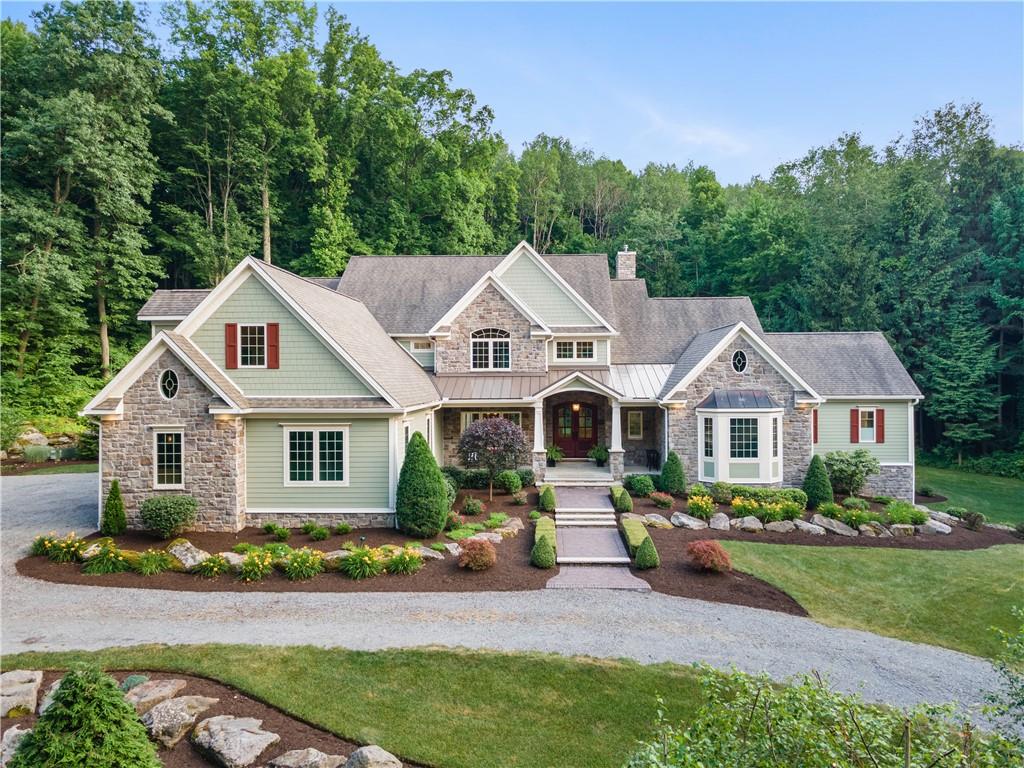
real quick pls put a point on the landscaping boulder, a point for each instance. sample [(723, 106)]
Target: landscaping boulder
[(654, 520), (513, 524), (901, 529), (780, 526), (804, 527), (334, 557), (372, 757), (146, 696), (92, 550), (429, 554), (683, 520), (234, 559), (833, 526), (187, 554), (233, 742), (169, 721), (719, 522), (633, 516), (942, 517), (494, 538), (306, 758), (453, 548), (933, 526), (47, 699), (31, 436), (12, 738), (874, 528), (750, 524), (19, 689)]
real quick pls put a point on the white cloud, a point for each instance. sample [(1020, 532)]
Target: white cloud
[(684, 133)]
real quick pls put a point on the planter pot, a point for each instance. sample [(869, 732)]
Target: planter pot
[(552, 462), (599, 462)]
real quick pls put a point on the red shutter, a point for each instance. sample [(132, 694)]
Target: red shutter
[(230, 345), (273, 345), (854, 425), (880, 425), (814, 425)]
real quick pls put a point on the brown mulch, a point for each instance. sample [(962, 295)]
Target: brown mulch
[(921, 499), (512, 572), (22, 467), (294, 733)]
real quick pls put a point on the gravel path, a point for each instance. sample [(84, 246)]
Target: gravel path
[(649, 628)]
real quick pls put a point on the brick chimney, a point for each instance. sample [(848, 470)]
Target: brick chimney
[(625, 264)]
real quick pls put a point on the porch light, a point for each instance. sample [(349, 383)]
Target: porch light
[(576, 407)]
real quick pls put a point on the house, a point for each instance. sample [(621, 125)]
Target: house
[(274, 397)]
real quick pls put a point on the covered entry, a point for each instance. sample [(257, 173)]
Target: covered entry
[(575, 428)]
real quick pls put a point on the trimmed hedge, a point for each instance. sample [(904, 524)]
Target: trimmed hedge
[(770, 495), (509, 481), (621, 500), (647, 555), (548, 502), (543, 554), (634, 532), (544, 528), (639, 485), (476, 479)]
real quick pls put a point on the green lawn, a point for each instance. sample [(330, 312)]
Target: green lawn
[(440, 707), (1000, 499), (947, 598), (61, 469)]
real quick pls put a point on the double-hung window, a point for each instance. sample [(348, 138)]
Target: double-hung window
[(252, 346), (743, 438), (709, 438), (490, 348), (316, 455), (634, 425), (775, 437), (867, 425), (574, 350), (168, 466)]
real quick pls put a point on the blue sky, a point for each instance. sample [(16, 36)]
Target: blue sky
[(739, 87)]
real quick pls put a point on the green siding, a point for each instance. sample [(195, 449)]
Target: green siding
[(600, 352), (367, 467), (425, 357), (307, 367), (543, 295), (834, 430), (163, 325)]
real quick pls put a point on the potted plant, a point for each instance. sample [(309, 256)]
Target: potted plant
[(599, 453), (555, 455)]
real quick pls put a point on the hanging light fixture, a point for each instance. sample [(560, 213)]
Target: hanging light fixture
[(576, 407)]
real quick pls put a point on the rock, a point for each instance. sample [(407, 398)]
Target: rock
[(804, 527), (91, 551), (833, 526), (169, 721), (934, 526), (453, 548), (654, 520), (942, 517), (19, 688), (429, 554), (506, 533), (306, 758), (189, 554), (494, 538), (146, 696), (12, 738), (372, 757), (633, 516), (780, 526), (682, 520), (901, 529), (3, 455), (874, 528), (47, 699), (750, 524), (233, 742), (719, 521), (234, 559), (32, 436), (514, 524)]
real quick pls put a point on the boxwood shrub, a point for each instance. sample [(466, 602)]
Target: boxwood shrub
[(639, 485), (634, 532), (621, 501), (647, 555), (167, 516), (543, 554), (548, 502)]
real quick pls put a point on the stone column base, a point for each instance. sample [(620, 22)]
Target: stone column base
[(540, 464), (617, 464)]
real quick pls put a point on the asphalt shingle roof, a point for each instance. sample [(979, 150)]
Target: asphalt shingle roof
[(174, 303), (695, 351)]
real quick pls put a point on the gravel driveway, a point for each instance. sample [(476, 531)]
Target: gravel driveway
[(647, 627)]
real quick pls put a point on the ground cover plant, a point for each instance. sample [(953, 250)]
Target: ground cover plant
[(998, 498)]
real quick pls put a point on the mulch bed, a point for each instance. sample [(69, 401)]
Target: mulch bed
[(294, 733), (921, 499), (512, 572), (22, 467)]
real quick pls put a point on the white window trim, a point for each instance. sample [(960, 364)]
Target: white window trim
[(157, 431), (316, 429), (630, 434), (576, 351), (430, 431), (238, 342), (722, 449), (160, 380), (490, 351), (465, 417), (406, 433), (874, 425), (422, 346)]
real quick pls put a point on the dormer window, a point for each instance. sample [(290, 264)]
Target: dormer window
[(490, 348)]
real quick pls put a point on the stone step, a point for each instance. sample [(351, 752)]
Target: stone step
[(592, 560), (584, 510), (585, 523)]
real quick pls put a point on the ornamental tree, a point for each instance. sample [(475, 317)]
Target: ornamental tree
[(421, 500), (492, 445)]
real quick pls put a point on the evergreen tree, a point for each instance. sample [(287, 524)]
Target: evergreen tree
[(421, 501), (816, 484), (673, 477), (114, 522)]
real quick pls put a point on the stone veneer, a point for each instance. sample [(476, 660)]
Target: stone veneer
[(451, 430), (759, 374), (895, 481), (213, 450), (296, 519), (490, 310)]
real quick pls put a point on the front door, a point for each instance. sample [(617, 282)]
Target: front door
[(575, 429)]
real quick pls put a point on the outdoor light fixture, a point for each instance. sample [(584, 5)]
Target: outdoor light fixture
[(576, 407)]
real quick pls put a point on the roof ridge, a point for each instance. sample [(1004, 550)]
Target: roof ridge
[(332, 291), (822, 333), (184, 290)]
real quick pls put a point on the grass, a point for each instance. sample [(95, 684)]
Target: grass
[(61, 469), (1000, 499), (946, 598), (457, 709)]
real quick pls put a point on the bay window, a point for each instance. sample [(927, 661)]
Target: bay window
[(740, 446)]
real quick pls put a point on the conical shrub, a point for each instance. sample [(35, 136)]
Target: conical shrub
[(421, 502), (673, 478), (817, 485), (114, 522), (543, 554), (647, 555)]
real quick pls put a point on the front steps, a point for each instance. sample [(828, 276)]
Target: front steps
[(584, 517)]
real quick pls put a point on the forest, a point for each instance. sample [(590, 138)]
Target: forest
[(128, 166)]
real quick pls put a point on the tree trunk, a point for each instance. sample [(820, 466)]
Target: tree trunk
[(101, 308), (265, 203), (23, 338)]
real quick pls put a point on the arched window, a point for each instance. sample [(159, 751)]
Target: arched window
[(490, 348)]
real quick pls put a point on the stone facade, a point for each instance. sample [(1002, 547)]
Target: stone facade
[(653, 435), (296, 519), (213, 450), (895, 481), (451, 430), (759, 374), (490, 310)]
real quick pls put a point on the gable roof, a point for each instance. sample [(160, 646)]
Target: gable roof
[(838, 364), (489, 279), (696, 351), (171, 304)]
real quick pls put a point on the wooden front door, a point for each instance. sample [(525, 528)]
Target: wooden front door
[(575, 429)]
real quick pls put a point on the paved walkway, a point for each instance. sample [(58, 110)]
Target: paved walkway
[(594, 544), (602, 623), (597, 577), (581, 497)]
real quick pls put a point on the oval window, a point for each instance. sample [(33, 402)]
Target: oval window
[(739, 361), (168, 384)]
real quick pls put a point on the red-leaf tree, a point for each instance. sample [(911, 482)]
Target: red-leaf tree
[(493, 445)]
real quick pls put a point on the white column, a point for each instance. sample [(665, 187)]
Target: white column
[(616, 426), (538, 426)]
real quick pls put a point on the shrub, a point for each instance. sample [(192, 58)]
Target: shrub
[(519, 499), (852, 502), (770, 495), (153, 561), (883, 500), (133, 681), (721, 492), (281, 533), (213, 566), (816, 483), (673, 478), (41, 544), (956, 511), (451, 490), (548, 502), (697, 489), (526, 478), (472, 507), (302, 564), (534, 514), (545, 529), (308, 527), (89, 723), (622, 502), (701, 506), (661, 500), (269, 527), (634, 532), (646, 555), (1018, 530), (244, 548), (973, 520), (109, 559), (362, 563), (277, 549), (454, 521), (114, 522), (743, 506), (256, 566), (905, 513), (167, 516), (494, 444), (406, 561), (543, 554), (709, 555), (342, 529), (478, 555), (496, 520), (320, 533), (849, 470), (421, 501), (831, 509), (639, 485), (774, 511), (857, 517), (926, 490), (509, 481)]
